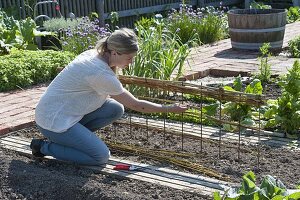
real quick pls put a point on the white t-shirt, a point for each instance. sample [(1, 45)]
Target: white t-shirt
[(81, 88)]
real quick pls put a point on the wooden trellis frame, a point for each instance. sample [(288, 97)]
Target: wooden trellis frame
[(180, 86), (216, 93)]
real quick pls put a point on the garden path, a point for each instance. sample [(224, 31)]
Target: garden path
[(220, 59), (17, 107)]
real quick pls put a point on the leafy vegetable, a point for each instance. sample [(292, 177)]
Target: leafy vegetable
[(270, 188)]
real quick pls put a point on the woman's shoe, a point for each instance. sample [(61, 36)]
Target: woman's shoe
[(35, 146)]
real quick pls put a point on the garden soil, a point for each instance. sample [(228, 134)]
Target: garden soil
[(23, 177)]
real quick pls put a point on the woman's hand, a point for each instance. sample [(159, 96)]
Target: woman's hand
[(129, 101), (175, 108)]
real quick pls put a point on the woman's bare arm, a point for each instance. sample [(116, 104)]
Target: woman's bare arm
[(131, 102)]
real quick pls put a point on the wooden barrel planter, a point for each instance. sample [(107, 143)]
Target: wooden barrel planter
[(250, 28)]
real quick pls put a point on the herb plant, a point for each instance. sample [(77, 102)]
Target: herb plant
[(293, 14), (294, 47), (61, 24), (264, 67), (204, 25), (84, 36), (22, 68)]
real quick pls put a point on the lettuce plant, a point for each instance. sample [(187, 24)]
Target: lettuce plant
[(17, 33), (239, 111), (288, 111), (270, 188)]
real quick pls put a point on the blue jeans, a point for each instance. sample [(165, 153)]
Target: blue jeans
[(79, 144)]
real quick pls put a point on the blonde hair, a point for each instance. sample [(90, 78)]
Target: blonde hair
[(123, 41)]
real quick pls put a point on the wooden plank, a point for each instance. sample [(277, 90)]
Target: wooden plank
[(119, 5), (177, 175), (62, 8), (74, 5), (19, 8), (149, 173), (49, 10), (24, 143), (4, 4), (89, 6), (94, 5), (109, 170), (71, 7), (78, 10), (84, 7)]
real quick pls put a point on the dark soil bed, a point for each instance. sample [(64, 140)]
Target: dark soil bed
[(25, 178)]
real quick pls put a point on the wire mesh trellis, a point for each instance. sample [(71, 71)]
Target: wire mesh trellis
[(168, 92)]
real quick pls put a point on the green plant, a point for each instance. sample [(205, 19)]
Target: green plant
[(294, 47), (23, 68), (293, 14), (288, 112), (114, 18), (145, 22), (61, 24), (270, 188), (84, 36), (202, 26), (239, 111), (19, 34), (161, 55), (264, 67), (259, 5), (93, 16)]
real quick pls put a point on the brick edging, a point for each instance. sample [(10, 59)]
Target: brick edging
[(7, 129)]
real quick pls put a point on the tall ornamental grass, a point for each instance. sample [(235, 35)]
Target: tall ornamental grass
[(161, 54), (205, 25)]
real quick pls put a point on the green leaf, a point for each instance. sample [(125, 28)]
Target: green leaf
[(237, 84), (254, 87), (217, 196), (294, 196), (248, 184), (210, 109), (229, 127), (228, 88)]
